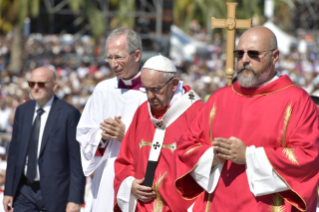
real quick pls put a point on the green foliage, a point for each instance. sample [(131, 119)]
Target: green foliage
[(122, 19), (95, 18), (185, 11), (76, 5)]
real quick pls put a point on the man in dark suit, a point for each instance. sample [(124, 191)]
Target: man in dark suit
[(44, 166)]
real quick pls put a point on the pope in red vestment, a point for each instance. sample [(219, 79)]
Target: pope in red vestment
[(133, 158), (277, 120)]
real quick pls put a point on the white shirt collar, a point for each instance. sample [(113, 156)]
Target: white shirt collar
[(273, 79), (47, 106)]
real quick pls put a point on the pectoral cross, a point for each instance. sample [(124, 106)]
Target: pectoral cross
[(191, 96), (171, 147), (231, 23), (157, 145)]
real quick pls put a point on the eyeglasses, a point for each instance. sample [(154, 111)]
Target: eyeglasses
[(251, 53), (154, 90), (117, 58), (40, 84)]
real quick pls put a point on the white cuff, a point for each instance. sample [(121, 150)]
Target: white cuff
[(125, 199), (203, 173), (190, 209), (262, 179), (90, 148)]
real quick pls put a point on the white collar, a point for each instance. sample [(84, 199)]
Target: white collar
[(272, 79), (178, 93), (129, 81), (47, 106)]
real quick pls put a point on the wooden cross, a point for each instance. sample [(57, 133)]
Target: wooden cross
[(231, 23)]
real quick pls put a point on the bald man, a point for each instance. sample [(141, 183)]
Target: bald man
[(44, 165), (254, 145)]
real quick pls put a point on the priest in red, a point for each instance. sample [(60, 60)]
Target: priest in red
[(254, 145), (145, 168)]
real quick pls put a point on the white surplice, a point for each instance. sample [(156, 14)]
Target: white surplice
[(107, 101)]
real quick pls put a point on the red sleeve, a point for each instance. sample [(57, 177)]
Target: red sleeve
[(192, 145), (296, 161), (100, 151)]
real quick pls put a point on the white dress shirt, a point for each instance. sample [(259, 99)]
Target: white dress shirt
[(44, 118)]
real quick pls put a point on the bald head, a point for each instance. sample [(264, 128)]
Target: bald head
[(263, 34), (42, 85), (46, 72)]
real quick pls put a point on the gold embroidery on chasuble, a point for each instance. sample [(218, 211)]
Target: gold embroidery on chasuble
[(158, 202), (208, 203), (171, 147), (192, 149), (288, 152), (211, 118), (277, 204)]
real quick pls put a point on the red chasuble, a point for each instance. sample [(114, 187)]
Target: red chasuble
[(279, 117), (134, 153)]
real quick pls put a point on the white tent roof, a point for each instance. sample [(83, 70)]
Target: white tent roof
[(284, 41), (182, 46)]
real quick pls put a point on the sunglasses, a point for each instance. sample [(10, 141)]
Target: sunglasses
[(251, 53), (40, 84)]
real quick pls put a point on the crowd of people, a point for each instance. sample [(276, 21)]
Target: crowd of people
[(80, 66)]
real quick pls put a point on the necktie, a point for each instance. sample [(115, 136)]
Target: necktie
[(33, 147)]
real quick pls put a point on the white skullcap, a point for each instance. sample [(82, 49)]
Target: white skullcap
[(3, 166), (160, 63), (2, 150)]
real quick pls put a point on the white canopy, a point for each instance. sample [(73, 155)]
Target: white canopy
[(182, 46)]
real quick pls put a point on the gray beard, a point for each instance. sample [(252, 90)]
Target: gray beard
[(254, 80)]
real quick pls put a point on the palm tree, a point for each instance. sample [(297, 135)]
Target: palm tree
[(203, 10), (14, 12), (12, 15)]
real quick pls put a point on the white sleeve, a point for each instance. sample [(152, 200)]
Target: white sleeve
[(204, 175), (262, 179), (88, 132), (125, 199)]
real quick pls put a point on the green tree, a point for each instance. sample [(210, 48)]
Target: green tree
[(93, 14), (12, 16), (14, 12), (203, 10)]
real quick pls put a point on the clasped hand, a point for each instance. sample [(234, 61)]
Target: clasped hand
[(113, 129), (232, 149), (141, 192)]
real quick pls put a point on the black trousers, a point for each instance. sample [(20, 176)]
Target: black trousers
[(28, 197)]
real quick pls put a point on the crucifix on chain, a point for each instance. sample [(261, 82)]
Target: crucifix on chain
[(231, 23)]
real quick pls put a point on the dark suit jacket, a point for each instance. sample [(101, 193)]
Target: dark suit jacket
[(61, 176)]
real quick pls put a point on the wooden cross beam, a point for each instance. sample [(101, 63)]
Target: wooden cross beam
[(231, 23)]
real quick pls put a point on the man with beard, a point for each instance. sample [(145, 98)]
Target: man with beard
[(254, 145), (107, 116)]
